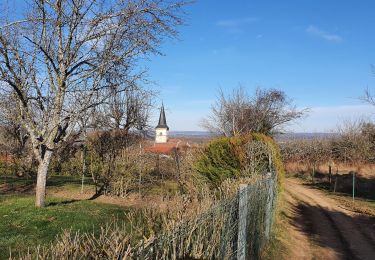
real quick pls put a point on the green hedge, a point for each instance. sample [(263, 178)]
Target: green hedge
[(224, 157)]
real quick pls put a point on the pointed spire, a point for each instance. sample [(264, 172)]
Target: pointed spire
[(162, 119)]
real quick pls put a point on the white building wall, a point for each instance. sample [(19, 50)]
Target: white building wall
[(161, 135)]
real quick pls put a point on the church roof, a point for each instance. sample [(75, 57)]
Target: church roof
[(162, 119), (169, 147)]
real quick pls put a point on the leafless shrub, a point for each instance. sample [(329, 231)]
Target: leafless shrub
[(258, 159), (353, 144), (265, 112), (112, 160)]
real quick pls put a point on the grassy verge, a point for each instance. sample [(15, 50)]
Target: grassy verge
[(278, 246), (22, 225)]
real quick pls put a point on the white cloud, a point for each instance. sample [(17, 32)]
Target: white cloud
[(315, 31)]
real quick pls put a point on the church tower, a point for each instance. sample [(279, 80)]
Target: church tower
[(161, 130)]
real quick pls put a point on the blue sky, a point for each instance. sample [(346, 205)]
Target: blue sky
[(319, 52)]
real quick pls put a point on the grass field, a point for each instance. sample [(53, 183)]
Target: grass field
[(22, 225)]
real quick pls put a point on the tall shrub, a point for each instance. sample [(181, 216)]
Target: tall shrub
[(240, 156)]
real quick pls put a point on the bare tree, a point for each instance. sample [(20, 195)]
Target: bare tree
[(56, 59), (128, 107), (368, 97), (265, 112), (354, 144)]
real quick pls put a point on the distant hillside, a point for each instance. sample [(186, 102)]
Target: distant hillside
[(189, 134), (286, 136)]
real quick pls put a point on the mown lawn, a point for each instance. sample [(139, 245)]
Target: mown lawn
[(22, 225)]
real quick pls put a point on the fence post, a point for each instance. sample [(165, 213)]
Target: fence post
[(330, 175), (269, 205), (242, 222), (337, 173), (353, 184)]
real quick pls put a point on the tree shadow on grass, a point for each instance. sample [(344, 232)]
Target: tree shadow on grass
[(97, 194), (59, 203), (93, 197)]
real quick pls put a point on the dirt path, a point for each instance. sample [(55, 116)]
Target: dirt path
[(322, 229)]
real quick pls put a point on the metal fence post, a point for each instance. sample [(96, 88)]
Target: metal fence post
[(242, 222)]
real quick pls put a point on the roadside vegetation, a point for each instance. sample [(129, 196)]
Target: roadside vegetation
[(77, 180), (103, 182), (333, 162), (132, 196)]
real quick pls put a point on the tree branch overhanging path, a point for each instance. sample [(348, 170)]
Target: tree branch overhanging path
[(57, 62)]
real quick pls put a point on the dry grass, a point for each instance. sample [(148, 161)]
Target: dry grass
[(170, 230)]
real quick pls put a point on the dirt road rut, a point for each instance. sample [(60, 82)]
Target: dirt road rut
[(323, 229)]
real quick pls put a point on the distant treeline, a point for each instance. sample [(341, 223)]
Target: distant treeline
[(353, 144)]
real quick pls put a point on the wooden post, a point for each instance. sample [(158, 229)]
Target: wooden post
[(353, 184), (242, 222), (337, 173), (330, 175)]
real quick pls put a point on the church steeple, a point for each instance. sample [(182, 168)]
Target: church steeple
[(162, 119), (161, 131)]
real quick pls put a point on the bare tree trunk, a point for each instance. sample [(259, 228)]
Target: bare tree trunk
[(42, 179)]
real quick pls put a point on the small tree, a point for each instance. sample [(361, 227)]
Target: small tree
[(107, 148), (266, 112)]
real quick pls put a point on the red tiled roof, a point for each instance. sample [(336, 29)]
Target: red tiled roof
[(167, 148)]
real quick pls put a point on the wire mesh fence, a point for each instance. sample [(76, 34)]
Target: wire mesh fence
[(235, 228)]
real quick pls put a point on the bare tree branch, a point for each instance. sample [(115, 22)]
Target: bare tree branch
[(265, 112)]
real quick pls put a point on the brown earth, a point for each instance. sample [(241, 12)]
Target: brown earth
[(321, 227)]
